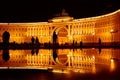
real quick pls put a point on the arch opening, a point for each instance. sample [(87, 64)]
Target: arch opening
[(60, 36)]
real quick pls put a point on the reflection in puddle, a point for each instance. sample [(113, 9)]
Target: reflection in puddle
[(112, 65), (5, 55), (62, 60)]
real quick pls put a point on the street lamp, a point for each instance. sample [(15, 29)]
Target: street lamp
[(93, 37), (113, 31)]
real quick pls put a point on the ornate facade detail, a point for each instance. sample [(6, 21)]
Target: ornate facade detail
[(88, 30)]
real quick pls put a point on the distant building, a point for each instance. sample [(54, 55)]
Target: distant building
[(88, 30)]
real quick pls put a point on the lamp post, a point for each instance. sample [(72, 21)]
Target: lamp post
[(93, 37), (112, 31)]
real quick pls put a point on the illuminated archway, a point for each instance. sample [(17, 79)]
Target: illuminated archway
[(60, 36)]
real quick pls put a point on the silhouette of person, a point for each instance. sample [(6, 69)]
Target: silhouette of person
[(6, 37), (33, 40), (37, 41), (54, 37), (99, 41)]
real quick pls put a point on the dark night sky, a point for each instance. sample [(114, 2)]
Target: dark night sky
[(42, 10)]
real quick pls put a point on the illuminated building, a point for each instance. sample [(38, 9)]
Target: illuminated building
[(88, 30)]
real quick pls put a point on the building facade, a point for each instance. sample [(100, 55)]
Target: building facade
[(67, 29)]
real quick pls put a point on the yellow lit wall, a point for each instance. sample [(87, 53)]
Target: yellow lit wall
[(89, 30)]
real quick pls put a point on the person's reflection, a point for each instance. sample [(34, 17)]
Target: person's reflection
[(5, 55), (32, 51), (99, 49), (37, 51), (55, 54)]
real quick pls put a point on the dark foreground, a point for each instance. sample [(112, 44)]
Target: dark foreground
[(30, 74)]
